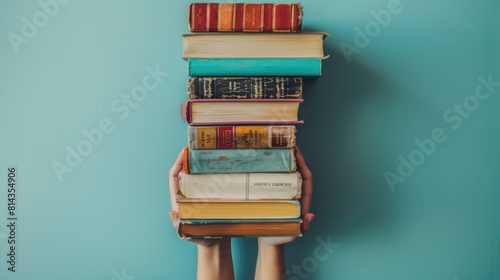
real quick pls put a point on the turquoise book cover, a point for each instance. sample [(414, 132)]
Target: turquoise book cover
[(240, 160), (307, 67)]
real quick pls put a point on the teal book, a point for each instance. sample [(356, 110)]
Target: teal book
[(239, 160), (294, 67), (200, 228)]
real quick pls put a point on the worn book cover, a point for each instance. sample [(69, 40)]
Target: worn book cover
[(244, 17), (244, 87), (239, 160), (242, 186), (205, 228), (241, 137)]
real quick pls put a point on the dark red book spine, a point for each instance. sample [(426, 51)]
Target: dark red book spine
[(244, 17), (238, 17), (267, 17), (213, 17)]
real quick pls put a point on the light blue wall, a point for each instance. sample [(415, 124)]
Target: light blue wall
[(107, 219)]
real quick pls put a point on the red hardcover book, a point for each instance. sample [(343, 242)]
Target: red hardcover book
[(241, 111), (244, 17)]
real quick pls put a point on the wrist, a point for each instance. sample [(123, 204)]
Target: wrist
[(216, 249), (270, 261), (215, 261), (268, 249)]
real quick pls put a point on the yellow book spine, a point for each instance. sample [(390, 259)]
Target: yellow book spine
[(241, 137)]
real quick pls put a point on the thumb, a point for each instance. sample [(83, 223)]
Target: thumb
[(307, 220)]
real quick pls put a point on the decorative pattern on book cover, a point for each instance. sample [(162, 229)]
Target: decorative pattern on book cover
[(241, 137), (239, 160), (242, 186), (244, 87), (244, 17)]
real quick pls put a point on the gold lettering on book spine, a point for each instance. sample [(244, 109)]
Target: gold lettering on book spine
[(206, 137), (252, 137)]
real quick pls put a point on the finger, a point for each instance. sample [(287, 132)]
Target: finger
[(307, 221), (174, 180), (174, 217), (301, 165), (307, 182), (177, 167)]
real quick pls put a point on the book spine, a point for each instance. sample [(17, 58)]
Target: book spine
[(223, 67), (244, 87), (241, 17), (241, 186), (241, 137), (202, 229), (240, 160)]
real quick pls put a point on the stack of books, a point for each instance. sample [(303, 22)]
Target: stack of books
[(246, 63)]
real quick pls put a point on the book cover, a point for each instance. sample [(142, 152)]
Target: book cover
[(253, 45), (239, 160), (241, 186), (222, 67), (214, 209), (198, 229), (244, 87), (244, 17), (241, 137), (208, 112)]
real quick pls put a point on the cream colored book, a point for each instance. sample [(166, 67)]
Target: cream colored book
[(241, 186), (254, 45)]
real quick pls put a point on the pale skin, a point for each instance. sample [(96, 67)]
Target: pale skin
[(214, 255)]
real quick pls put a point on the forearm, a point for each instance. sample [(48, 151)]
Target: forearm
[(215, 262), (270, 262)]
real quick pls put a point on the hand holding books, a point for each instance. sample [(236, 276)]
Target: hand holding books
[(174, 215), (305, 200), (215, 260)]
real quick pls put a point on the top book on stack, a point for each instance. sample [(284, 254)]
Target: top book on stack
[(243, 17)]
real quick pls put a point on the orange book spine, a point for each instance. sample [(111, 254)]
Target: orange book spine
[(241, 137)]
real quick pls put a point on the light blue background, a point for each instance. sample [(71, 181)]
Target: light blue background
[(108, 218)]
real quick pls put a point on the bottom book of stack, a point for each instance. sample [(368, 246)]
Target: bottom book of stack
[(192, 229)]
